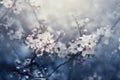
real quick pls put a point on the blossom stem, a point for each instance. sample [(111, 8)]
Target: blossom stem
[(115, 23), (35, 15), (78, 25), (60, 65)]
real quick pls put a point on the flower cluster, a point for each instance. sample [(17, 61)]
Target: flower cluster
[(40, 41), (13, 35), (82, 44), (44, 41), (16, 5), (106, 31), (7, 3), (28, 73)]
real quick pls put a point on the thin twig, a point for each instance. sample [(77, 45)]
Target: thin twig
[(112, 27), (60, 65), (115, 23), (35, 15), (78, 25)]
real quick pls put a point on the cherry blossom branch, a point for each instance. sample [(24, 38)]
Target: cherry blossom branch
[(32, 63), (34, 13), (112, 27), (78, 25), (62, 64), (14, 2), (115, 23)]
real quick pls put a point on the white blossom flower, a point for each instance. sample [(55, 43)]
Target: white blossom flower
[(95, 76), (88, 41), (7, 3), (18, 35), (60, 49), (15, 34), (41, 41), (87, 20), (35, 3), (44, 41), (16, 10), (82, 44), (50, 48), (106, 31), (18, 7)]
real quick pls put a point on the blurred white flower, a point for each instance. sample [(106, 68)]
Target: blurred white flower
[(7, 3), (19, 6), (35, 3), (43, 79), (119, 47), (119, 39), (16, 6), (85, 30), (16, 10), (95, 76), (1, 37), (15, 34), (106, 31), (18, 35), (87, 20)]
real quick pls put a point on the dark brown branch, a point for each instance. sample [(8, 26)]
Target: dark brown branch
[(59, 67), (62, 64), (33, 57)]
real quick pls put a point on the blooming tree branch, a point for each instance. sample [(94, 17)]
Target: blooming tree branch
[(43, 42)]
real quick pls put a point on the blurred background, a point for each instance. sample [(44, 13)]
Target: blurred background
[(58, 14)]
